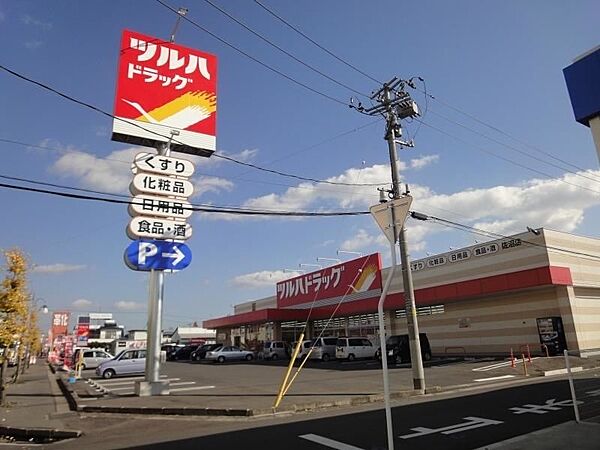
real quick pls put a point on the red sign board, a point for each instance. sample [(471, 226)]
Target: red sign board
[(60, 323), (165, 90), (348, 278)]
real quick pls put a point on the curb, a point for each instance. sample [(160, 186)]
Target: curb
[(167, 411), (39, 433)]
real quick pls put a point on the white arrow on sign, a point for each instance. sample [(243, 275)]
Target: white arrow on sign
[(164, 165), (382, 213), (160, 185), (177, 255), (150, 205)]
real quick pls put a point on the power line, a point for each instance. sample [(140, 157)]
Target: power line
[(329, 52), (256, 60), (490, 234), (206, 209), (536, 158), (508, 160), (170, 138), (272, 44), (498, 130)]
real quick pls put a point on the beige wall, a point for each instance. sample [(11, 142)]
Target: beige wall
[(495, 323)]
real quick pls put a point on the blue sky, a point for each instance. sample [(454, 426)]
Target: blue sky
[(500, 62)]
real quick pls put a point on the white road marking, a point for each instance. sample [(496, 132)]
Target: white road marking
[(328, 442), (129, 381), (191, 388), (473, 422), (503, 377)]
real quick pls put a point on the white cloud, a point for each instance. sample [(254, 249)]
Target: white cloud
[(423, 161), (129, 306), (32, 45), (262, 279), (29, 20), (82, 303), (111, 174), (57, 268), (211, 184)]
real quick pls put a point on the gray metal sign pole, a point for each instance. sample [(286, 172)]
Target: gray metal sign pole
[(152, 384)]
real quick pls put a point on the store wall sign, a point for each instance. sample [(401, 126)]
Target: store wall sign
[(355, 276), (463, 255), (163, 87)]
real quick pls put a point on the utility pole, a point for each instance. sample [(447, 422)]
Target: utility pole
[(395, 104)]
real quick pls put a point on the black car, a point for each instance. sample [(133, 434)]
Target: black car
[(170, 350), (183, 354), (398, 348), (200, 352)]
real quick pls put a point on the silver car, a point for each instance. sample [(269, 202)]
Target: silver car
[(229, 353), (93, 358), (128, 362)]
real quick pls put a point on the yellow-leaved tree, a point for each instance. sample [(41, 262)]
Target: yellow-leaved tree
[(14, 306)]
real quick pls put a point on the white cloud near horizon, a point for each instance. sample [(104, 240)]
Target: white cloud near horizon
[(262, 279), (82, 303), (129, 306), (57, 268)]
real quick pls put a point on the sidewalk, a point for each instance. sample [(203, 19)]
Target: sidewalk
[(34, 406)]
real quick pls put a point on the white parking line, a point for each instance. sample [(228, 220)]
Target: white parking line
[(191, 388), (328, 442), (495, 378), (128, 381)]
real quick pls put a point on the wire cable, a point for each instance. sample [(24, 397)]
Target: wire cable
[(170, 138), (256, 60), (329, 52), (207, 209), (285, 52)]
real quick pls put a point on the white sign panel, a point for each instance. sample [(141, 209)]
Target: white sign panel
[(154, 228), (163, 165), (149, 205), (160, 185), (382, 213)]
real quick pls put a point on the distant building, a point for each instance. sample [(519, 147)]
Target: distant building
[(187, 335)]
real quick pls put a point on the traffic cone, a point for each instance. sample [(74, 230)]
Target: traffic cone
[(512, 359)]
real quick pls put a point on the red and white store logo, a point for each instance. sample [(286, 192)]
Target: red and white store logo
[(356, 276), (162, 87)]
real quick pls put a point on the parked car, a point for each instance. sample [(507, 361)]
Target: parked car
[(306, 345), (229, 353), (128, 362), (324, 348), (170, 350), (183, 354), (93, 358), (200, 353), (276, 350), (352, 348), (398, 348)]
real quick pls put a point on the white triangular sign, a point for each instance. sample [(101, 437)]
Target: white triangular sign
[(382, 213)]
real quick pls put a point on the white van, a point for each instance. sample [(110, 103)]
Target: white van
[(351, 348), (303, 349)]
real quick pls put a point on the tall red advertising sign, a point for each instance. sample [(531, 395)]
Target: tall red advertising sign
[(165, 90), (356, 279), (60, 324)]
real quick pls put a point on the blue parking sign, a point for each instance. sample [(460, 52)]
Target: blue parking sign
[(146, 255)]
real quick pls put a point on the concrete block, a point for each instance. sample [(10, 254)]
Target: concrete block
[(151, 388)]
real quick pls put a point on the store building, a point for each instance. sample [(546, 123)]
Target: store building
[(537, 287)]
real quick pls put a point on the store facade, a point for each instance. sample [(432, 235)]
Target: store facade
[(524, 290)]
